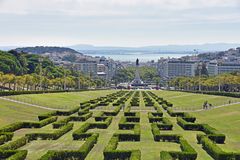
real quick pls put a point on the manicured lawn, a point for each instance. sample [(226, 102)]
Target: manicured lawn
[(65, 100), (225, 119), (38, 148), (12, 112), (192, 101)]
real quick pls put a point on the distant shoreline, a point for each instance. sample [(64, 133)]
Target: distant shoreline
[(131, 56)]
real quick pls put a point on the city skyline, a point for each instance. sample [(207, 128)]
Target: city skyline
[(118, 23)]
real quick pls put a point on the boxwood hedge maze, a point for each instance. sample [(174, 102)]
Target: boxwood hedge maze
[(129, 125)]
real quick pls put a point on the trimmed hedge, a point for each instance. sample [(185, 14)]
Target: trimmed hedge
[(52, 136), (216, 152), (111, 153), (10, 93), (155, 117), (13, 154), (174, 114), (187, 153), (14, 144), (130, 136), (18, 125), (5, 136), (79, 154), (188, 125), (211, 132), (81, 132), (12, 127), (164, 137), (72, 118), (114, 112)]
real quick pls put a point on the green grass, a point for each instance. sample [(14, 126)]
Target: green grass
[(38, 148), (65, 100), (225, 119), (192, 101), (12, 112)]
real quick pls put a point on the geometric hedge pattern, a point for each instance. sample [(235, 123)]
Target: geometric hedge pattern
[(114, 127)]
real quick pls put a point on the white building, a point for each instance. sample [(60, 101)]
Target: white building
[(228, 67), (170, 69), (102, 71), (223, 67), (108, 65), (86, 67), (212, 68)]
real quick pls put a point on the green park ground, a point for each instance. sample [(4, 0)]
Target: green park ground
[(225, 119)]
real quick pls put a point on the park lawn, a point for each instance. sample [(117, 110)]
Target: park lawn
[(193, 101), (225, 119), (38, 148), (13, 112), (67, 100)]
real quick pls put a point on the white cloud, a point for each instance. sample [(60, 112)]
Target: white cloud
[(112, 21), (105, 7)]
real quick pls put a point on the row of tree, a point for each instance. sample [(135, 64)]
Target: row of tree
[(229, 82), (147, 74), (36, 82), (21, 71)]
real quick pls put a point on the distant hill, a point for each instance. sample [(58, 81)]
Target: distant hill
[(44, 50), (208, 47), (55, 54), (23, 63)]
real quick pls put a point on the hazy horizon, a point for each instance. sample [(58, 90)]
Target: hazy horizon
[(118, 22)]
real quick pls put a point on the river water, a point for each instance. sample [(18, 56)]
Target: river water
[(143, 57)]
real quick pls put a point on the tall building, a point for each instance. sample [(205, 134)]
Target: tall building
[(87, 67), (212, 68), (162, 68), (228, 67), (102, 71), (109, 66), (175, 68), (223, 67)]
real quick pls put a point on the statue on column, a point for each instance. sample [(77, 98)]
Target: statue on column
[(137, 62)]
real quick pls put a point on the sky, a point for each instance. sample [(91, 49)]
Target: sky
[(118, 22)]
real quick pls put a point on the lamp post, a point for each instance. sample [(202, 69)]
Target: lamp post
[(199, 76), (78, 74), (64, 77), (40, 71), (64, 86)]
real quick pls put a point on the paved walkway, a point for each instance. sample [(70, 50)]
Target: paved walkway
[(220, 106)]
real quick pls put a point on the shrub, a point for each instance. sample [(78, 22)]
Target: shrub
[(110, 151), (72, 118), (67, 113), (5, 136), (13, 154), (47, 115), (79, 154), (19, 155), (188, 125), (80, 133), (12, 127), (14, 144), (212, 149), (53, 136), (164, 155)]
